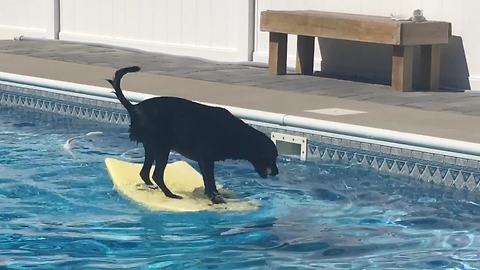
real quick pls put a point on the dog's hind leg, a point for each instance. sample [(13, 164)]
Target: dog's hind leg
[(161, 159), (207, 169), (147, 165)]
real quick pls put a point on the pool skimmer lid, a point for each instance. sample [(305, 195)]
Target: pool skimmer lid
[(335, 111)]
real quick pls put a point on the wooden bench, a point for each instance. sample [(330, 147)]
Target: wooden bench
[(403, 35)]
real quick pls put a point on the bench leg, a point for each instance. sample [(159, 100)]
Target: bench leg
[(430, 67), (402, 68), (305, 51), (277, 55)]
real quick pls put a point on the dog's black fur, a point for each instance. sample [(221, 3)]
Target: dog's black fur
[(202, 133)]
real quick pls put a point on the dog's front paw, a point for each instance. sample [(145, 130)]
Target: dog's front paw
[(217, 199)]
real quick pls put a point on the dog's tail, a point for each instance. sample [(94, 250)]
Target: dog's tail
[(118, 90)]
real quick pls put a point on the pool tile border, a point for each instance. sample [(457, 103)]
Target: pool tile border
[(448, 171), (75, 106), (422, 165)]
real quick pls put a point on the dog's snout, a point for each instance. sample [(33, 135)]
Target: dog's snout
[(272, 171)]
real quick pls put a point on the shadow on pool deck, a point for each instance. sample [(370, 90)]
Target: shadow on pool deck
[(452, 115), (372, 63)]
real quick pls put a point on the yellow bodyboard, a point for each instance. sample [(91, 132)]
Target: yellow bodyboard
[(180, 178)]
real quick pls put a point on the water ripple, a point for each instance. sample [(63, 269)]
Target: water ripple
[(59, 211)]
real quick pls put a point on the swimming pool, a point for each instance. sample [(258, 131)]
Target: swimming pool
[(59, 211)]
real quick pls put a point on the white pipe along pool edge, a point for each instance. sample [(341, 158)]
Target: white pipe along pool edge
[(430, 142)]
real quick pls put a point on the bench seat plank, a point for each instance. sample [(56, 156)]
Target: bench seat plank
[(364, 28)]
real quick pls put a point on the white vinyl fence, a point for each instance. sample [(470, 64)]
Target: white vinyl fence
[(32, 18), (228, 30), (213, 29)]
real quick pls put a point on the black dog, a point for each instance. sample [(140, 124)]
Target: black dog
[(202, 133)]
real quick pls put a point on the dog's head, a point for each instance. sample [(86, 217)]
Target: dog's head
[(265, 160)]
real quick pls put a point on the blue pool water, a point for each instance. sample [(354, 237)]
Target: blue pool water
[(58, 210)]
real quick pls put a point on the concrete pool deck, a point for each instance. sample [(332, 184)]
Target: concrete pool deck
[(451, 115)]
